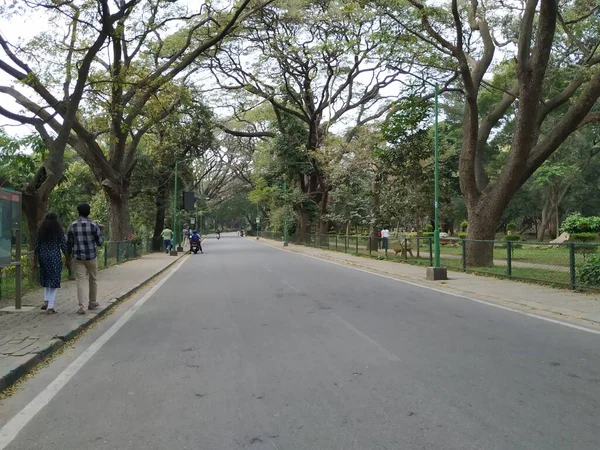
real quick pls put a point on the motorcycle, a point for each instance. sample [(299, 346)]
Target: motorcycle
[(241, 233), (196, 247)]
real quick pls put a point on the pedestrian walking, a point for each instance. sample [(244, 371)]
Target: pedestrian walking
[(83, 237), (385, 236), (49, 245), (186, 235), (167, 235)]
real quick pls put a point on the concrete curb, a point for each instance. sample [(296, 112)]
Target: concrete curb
[(22, 369)]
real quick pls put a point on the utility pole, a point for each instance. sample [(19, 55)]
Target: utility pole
[(436, 272)]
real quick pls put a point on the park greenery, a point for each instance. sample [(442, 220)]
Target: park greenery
[(317, 117)]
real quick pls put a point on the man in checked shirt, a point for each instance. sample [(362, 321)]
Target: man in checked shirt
[(82, 239)]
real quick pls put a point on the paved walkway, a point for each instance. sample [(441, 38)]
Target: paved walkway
[(577, 308), (27, 337)]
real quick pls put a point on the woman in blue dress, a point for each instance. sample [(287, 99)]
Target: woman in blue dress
[(50, 243)]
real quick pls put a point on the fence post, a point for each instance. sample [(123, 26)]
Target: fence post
[(405, 249), (118, 251), (509, 258), (106, 255), (370, 245), (336, 247), (357, 245), (430, 251), (346, 244), (571, 266), (464, 254)]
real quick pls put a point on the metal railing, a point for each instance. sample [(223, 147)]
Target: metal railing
[(544, 263), (109, 254)]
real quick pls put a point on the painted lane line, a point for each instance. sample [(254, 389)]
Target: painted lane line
[(14, 426), (373, 342), (441, 291)]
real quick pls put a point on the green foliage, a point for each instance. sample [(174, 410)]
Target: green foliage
[(428, 228), (463, 225), (512, 237), (427, 234), (583, 237), (511, 226), (589, 272), (462, 235), (576, 223)]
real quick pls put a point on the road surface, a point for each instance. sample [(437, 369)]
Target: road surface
[(250, 347)]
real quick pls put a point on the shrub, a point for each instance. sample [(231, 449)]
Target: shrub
[(512, 237), (576, 223), (427, 234), (463, 225), (589, 272), (462, 235), (583, 237), (511, 226), (428, 228)]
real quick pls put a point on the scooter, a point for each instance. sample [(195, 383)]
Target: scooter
[(196, 247)]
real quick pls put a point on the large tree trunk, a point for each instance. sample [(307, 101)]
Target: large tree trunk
[(119, 215), (34, 210), (483, 219), (541, 231), (159, 221)]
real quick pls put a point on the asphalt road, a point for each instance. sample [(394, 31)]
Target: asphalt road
[(249, 347)]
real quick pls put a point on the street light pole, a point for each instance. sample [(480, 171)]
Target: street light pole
[(436, 231), (175, 203), (285, 220), (257, 221), (436, 272)]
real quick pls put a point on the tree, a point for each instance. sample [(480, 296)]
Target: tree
[(320, 63), (51, 103), (555, 80), (139, 84)]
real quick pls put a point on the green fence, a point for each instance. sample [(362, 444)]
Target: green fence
[(109, 254), (551, 264)]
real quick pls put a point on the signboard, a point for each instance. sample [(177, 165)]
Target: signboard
[(258, 220), (193, 221), (10, 215)]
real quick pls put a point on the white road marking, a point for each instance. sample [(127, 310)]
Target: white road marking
[(14, 426), (441, 291), (287, 283), (382, 349)]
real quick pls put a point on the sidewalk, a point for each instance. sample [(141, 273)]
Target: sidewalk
[(567, 306), (27, 337)]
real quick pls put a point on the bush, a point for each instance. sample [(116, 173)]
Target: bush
[(428, 228), (583, 237), (512, 237), (463, 225), (462, 235), (589, 272), (427, 234), (576, 223), (511, 226)]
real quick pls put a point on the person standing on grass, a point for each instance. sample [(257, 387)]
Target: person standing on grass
[(167, 235), (49, 244), (385, 236), (82, 239)]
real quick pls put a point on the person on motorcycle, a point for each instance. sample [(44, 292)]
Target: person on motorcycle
[(196, 240), (218, 234)]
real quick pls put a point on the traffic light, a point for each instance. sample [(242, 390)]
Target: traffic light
[(189, 200)]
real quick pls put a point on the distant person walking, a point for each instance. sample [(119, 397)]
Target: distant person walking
[(82, 239), (49, 244), (186, 235), (385, 236), (167, 235)]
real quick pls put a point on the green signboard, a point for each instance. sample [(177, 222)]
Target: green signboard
[(10, 218)]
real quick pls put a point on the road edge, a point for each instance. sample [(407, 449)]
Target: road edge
[(9, 379), (548, 315)]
